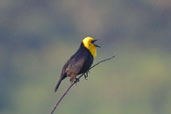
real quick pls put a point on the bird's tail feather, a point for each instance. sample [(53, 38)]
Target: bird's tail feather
[(58, 84)]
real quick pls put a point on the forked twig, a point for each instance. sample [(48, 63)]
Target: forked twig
[(56, 105)]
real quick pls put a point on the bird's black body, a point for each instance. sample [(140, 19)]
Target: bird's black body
[(79, 63)]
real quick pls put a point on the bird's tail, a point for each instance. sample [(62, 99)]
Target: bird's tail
[(58, 84)]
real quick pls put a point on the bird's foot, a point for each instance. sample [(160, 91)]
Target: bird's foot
[(86, 75), (77, 80)]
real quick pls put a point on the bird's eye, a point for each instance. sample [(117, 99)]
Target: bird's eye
[(93, 41)]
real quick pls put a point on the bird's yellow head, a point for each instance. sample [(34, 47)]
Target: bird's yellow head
[(89, 43)]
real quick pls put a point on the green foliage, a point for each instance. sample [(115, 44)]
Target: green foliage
[(38, 37)]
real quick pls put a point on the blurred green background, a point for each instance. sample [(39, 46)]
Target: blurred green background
[(38, 36)]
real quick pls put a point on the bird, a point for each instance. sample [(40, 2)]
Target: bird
[(80, 62)]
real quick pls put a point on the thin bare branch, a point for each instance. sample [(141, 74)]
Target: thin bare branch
[(77, 80), (56, 105), (101, 62)]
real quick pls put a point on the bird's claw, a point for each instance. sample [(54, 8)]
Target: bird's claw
[(86, 75), (77, 80)]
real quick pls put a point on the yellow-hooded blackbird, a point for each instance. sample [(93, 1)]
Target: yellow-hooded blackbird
[(80, 62)]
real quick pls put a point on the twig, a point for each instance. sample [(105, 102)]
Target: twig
[(102, 61), (56, 105)]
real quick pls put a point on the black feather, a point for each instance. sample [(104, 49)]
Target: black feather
[(79, 63)]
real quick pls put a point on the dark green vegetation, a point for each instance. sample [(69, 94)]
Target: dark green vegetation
[(37, 37)]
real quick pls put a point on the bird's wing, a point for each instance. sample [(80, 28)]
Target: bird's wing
[(75, 65)]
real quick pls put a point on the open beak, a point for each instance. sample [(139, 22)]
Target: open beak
[(96, 44)]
